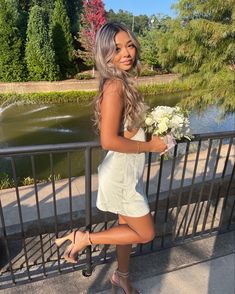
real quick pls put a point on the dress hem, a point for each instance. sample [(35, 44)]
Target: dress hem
[(121, 213)]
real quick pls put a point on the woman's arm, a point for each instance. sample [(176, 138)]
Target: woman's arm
[(111, 117)]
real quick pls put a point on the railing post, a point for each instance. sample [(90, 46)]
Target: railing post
[(88, 271)]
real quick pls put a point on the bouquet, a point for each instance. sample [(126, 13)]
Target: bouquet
[(171, 123)]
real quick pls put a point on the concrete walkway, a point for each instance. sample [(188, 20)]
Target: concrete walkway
[(204, 266), (215, 276)]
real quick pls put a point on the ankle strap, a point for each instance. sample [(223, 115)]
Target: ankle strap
[(123, 275), (88, 236)]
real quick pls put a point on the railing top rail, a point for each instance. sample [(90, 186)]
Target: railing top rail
[(48, 148), (216, 135), (18, 150)]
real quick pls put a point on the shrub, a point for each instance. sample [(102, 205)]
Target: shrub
[(27, 181), (148, 72), (83, 76), (5, 181)]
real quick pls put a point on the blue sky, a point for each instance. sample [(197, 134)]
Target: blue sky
[(138, 7)]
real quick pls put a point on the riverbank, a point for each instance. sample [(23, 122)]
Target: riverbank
[(81, 91), (73, 85)]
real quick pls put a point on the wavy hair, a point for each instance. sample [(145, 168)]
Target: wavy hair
[(105, 50)]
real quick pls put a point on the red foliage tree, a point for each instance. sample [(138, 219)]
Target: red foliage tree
[(93, 18)]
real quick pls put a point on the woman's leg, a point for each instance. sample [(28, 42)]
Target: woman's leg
[(123, 258), (135, 230), (123, 251)]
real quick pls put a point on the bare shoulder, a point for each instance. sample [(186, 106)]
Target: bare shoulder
[(112, 98), (113, 86)]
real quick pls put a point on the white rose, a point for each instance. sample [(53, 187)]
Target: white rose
[(162, 127), (164, 120), (149, 121), (177, 121)]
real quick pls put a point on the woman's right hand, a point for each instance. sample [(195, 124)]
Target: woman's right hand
[(157, 144)]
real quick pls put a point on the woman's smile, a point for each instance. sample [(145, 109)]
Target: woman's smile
[(129, 61)]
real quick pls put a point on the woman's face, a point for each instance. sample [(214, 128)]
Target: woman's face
[(125, 51)]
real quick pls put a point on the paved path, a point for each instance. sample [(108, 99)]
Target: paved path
[(210, 277), (72, 85)]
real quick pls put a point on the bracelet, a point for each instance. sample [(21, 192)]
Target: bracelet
[(138, 147)]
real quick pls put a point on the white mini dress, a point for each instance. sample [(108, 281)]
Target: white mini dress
[(120, 182)]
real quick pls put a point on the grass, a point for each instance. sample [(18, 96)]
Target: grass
[(49, 98), (167, 88), (82, 97)]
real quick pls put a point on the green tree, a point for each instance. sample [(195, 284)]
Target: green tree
[(159, 21), (40, 55), (138, 24), (12, 67), (62, 39), (74, 10), (121, 16), (200, 46), (151, 41), (48, 5), (149, 50)]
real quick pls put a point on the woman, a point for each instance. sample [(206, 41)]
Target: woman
[(119, 113)]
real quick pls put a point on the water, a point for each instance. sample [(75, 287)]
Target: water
[(22, 125)]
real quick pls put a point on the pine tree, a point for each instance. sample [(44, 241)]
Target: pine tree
[(48, 5), (40, 56), (93, 18), (62, 39), (74, 10), (12, 67), (201, 47)]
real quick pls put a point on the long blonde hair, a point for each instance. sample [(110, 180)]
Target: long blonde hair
[(105, 49)]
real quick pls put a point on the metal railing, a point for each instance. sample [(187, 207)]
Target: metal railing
[(191, 194)]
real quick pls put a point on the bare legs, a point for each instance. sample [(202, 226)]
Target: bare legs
[(131, 230), (123, 258)]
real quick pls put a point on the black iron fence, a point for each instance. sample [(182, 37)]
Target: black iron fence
[(191, 192)]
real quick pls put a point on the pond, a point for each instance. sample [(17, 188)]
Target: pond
[(22, 125)]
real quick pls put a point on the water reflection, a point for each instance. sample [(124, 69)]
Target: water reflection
[(211, 120)]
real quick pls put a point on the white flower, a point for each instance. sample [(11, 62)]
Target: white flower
[(177, 121), (149, 121), (161, 111), (162, 127), (163, 118)]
